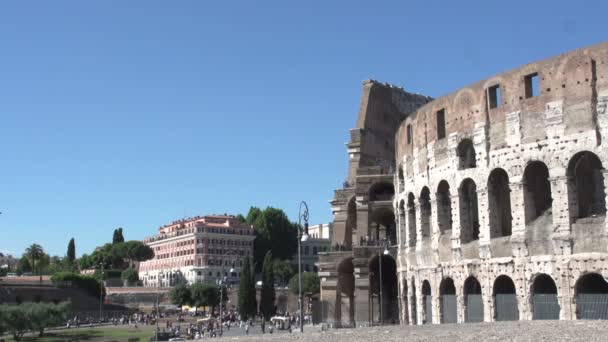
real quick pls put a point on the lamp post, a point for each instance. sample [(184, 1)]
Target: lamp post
[(221, 281), (100, 292), (302, 237), (384, 243)]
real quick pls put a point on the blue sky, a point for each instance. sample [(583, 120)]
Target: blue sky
[(135, 113)]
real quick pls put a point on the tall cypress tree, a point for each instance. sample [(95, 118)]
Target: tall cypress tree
[(268, 294), (246, 296), (117, 238), (71, 254)]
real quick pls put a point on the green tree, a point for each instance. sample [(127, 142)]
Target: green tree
[(45, 315), (274, 232), (247, 301), (283, 271), (137, 251), (241, 218), (71, 253), (16, 320), (130, 275), (268, 295), (205, 295), (24, 265), (180, 295), (311, 283), (117, 237), (35, 255), (85, 261)]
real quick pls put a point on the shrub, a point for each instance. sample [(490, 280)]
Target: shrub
[(88, 284)]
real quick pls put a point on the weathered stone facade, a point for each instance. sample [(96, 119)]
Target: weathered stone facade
[(500, 201)]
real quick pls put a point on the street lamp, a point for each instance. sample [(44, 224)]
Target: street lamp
[(383, 243), (221, 283), (100, 292), (302, 237)]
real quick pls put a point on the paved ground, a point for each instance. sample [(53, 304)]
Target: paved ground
[(536, 331)]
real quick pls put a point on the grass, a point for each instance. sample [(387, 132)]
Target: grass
[(96, 334)]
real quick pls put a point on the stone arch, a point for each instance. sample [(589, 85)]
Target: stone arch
[(473, 300), (427, 303), (425, 212), (402, 222), (469, 214), (591, 291), (411, 220), (383, 225), (381, 191), (586, 181), (505, 299), (413, 303), (537, 191), (384, 297), (447, 298), (466, 154), (351, 222), (499, 198), (543, 298), (345, 293), (444, 207), (405, 301)]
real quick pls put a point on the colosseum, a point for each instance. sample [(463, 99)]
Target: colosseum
[(487, 204)]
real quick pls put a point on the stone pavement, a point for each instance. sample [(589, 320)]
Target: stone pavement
[(536, 331)]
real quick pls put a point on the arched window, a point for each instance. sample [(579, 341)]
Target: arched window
[(469, 215), (586, 179), (466, 154), (425, 212), (537, 190), (411, 220), (499, 196), (444, 207), (314, 250)]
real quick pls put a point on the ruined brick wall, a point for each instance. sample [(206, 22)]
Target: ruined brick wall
[(523, 158)]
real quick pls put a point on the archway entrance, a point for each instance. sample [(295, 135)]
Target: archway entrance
[(383, 226), (499, 197), (473, 301), (544, 298), (505, 299), (586, 179), (537, 190), (384, 297), (411, 220), (427, 303), (345, 294), (449, 309), (592, 297), (469, 215)]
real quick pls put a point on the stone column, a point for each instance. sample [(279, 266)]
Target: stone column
[(562, 242), (456, 251), (518, 212), (412, 315), (362, 308), (435, 233), (483, 207)]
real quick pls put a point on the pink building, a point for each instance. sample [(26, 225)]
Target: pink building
[(199, 249)]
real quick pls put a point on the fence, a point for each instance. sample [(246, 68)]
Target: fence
[(449, 310), (545, 306), (592, 306), (474, 308), (506, 307)]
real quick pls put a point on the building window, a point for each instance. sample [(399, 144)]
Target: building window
[(494, 97), (441, 124), (532, 85)]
